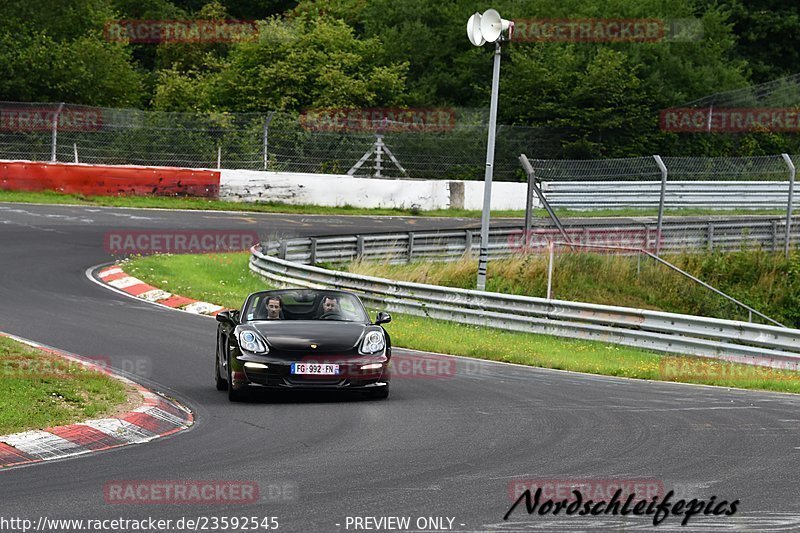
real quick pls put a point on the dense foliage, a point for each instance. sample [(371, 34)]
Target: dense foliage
[(604, 98)]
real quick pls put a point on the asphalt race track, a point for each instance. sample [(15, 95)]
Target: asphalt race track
[(446, 447)]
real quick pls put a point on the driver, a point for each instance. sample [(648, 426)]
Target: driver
[(330, 304), (274, 308)]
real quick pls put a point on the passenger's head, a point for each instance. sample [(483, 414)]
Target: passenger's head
[(274, 306)]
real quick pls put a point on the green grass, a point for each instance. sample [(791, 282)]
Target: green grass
[(51, 197), (768, 282), (225, 280), (42, 390), (162, 202)]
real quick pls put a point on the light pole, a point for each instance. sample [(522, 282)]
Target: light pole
[(489, 27)]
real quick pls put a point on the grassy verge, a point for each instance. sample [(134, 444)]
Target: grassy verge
[(224, 279), (767, 282), (50, 197), (42, 390), (162, 202)]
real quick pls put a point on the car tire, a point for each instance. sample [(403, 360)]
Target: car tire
[(234, 395), (219, 382), (379, 394)]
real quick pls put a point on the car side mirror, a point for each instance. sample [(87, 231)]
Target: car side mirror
[(228, 317), (383, 318)]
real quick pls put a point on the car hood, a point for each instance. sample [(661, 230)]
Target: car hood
[(329, 336)]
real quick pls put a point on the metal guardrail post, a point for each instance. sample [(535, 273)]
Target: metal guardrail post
[(468, 242), (359, 246), (774, 236), (661, 199), (710, 236), (284, 249), (792, 173), (410, 246), (313, 258)]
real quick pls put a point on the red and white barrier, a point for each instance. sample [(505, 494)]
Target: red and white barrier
[(256, 186)]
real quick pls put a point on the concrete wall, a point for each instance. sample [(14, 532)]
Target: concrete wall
[(254, 186), (337, 190)]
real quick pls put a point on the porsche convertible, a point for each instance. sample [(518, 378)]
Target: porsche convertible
[(302, 339)]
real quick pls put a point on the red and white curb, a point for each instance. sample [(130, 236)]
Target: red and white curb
[(117, 278), (157, 417)]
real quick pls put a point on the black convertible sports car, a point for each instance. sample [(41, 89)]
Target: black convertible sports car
[(302, 339)]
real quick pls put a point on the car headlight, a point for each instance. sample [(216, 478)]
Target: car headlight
[(251, 341), (373, 342)]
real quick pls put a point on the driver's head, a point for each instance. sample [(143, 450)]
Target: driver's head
[(273, 308), (330, 304)]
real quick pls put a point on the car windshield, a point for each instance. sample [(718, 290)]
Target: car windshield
[(304, 305)]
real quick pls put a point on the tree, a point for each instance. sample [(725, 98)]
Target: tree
[(55, 51), (292, 65)]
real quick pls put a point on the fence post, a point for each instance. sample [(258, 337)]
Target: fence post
[(53, 156), (710, 236), (410, 246), (378, 156), (664, 173), (266, 137), (551, 247), (792, 172), (219, 156), (75, 150), (359, 246), (529, 204), (774, 236)]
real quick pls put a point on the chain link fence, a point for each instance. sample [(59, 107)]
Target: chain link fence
[(255, 141), (692, 187)]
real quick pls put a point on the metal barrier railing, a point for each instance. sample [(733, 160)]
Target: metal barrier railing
[(667, 332)]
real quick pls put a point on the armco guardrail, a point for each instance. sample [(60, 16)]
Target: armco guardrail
[(678, 194), (668, 332), (678, 235)]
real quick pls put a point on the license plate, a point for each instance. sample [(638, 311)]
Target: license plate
[(317, 369)]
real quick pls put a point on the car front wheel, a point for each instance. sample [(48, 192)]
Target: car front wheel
[(234, 395)]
